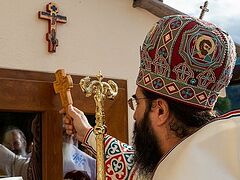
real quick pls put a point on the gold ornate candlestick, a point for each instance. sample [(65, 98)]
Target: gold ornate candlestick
[(101, 91)]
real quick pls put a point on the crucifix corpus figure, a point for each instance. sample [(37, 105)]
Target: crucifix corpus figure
[(52, 16)]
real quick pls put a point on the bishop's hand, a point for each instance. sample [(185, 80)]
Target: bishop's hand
[(75, 120)]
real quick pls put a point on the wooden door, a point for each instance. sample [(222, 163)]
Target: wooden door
[(28, 91)]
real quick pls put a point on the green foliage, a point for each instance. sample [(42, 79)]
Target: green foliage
[(223, 105)]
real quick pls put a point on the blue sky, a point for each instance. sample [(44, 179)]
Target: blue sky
[(223, 13)]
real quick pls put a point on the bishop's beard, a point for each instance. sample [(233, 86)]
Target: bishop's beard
[(147, 151)]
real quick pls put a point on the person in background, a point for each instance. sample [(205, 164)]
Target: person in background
[(15, 140), (13, 157), (76, 175), (75, 161), (14, 161)]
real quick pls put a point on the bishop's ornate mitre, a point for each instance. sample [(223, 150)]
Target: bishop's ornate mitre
[(187, 59)]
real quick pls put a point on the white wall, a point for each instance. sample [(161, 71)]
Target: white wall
[(99, 35)]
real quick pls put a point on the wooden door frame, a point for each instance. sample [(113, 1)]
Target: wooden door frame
[(31, 91)]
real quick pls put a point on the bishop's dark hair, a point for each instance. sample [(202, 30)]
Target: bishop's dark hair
[(187, 118)]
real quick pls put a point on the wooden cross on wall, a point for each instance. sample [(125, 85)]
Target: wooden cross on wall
[(52, 16), (62, 85)]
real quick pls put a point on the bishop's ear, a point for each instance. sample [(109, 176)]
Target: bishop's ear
[(163, 110)]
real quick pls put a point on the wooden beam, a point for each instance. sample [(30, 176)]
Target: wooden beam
[(156, 7), (159, 9)]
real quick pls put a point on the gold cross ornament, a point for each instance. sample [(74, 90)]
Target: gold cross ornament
[(204, 9)]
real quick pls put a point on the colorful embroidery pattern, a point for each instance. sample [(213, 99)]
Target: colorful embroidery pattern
[(119, 162), (119, 159), (187, 59)]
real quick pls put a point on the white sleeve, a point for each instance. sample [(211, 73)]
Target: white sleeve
[(20, 166), (11, 164), (6, 160)]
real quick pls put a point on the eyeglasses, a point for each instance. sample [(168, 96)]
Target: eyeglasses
[(133, 102)]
